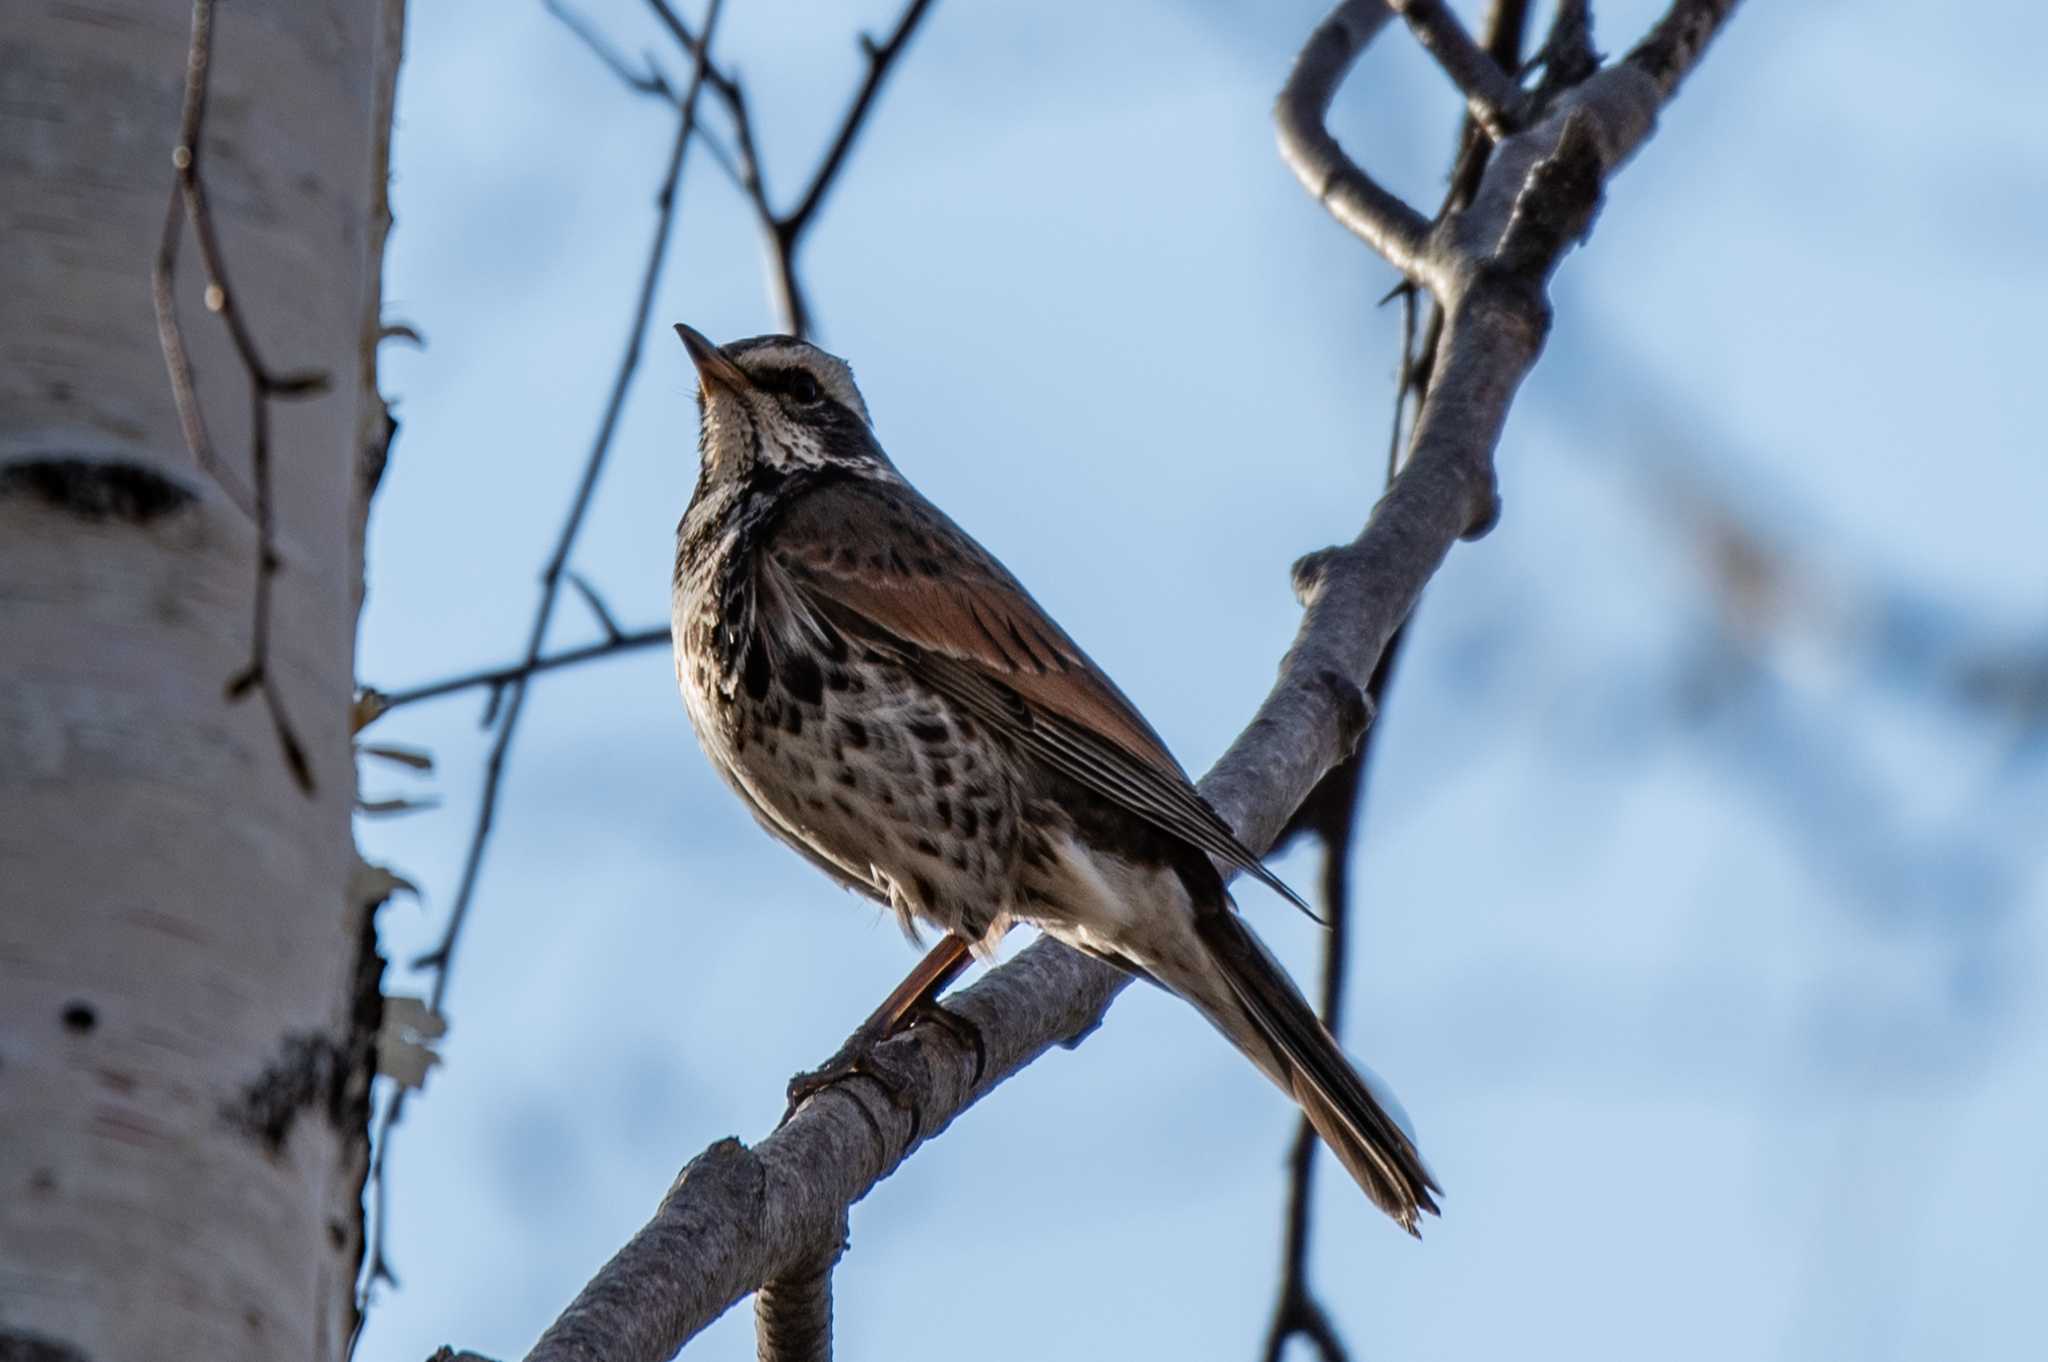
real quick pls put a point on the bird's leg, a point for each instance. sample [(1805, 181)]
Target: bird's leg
[(914, 1000)]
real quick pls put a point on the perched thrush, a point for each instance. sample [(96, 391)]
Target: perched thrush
[(889, 701)]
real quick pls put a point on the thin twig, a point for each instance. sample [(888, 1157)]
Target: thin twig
[(1404, 379), (598, 608), (1491, 96), (554, 570), (1506, 30), (441, 959), (188, 204), (1567, 55), (497, 678), (1332, 811), (881, 59), (783, 233), (1353, 197), (1331, 815), (651, 82)]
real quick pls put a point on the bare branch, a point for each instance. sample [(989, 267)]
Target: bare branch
[(740, 1217), (552, 573), (1332, 809), (793, 1312), (1675, 45), (1507, 23), (512, 687), (1390, 226), (783, 233), (1496, 103), (881, 60), (1331, 814), (1567, 55), (612, 632), (1404, 380), (188, 203), (498, 678), (650, 82)]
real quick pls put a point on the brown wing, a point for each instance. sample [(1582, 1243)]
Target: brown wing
[(881, 560)]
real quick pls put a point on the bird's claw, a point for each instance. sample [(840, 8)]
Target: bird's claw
[(857, 1058), (932, 1011)]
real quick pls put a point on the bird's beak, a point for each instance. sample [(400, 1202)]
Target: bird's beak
[(713, 368)]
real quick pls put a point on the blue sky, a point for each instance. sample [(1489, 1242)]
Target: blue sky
[(1705, 946)]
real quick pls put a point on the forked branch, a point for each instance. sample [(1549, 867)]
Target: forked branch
[(782, 233)]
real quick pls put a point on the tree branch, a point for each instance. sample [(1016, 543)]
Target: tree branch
[(1331, 811), (793, 1313), (802, 1295), (740, 1217), (783, 233), (650, 82), (1671, 49), (1491, 95), (880, 61), (188, 203), (555, 570), (1390, 226), (379, 703), (441, 959)]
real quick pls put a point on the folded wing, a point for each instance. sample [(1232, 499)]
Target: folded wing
[(881, 563)]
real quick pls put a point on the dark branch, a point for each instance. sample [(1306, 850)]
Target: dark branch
[(1671, 49), (1492, 98), (554, 570), (1331, 815), (1404, 380), (1332, 811), (881, 60), (650, 82), (1507, 23), (188, 203), (498, 678), (1567, 55), (783, 233), (1390, 226), (603, 614), (793, 1312), (513, 687)]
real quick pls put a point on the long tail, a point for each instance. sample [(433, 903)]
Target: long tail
[(1275, 1027)]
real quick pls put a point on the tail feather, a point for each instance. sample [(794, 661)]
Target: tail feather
[(1365, 1130)]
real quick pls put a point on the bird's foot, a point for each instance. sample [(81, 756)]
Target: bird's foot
[(859, 1057), (931, 1011)]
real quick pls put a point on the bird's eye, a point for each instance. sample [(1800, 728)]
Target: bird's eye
[(803, 387)]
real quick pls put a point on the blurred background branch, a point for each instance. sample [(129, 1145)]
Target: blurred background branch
[(507, 686), (508, 697)]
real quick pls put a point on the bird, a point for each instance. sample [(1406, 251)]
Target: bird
[(891, 703)]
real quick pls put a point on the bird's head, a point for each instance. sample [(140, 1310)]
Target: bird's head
[(774, 405)]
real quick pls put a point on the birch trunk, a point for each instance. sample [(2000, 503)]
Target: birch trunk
[(188, 975)]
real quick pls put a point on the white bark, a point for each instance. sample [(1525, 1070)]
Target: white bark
[(187, 985)]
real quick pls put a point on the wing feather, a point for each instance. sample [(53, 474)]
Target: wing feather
[(885, 564)]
